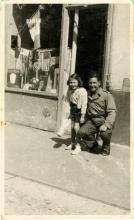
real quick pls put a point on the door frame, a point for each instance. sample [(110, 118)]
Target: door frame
[(107, 46), (62, 62), (64, 44)]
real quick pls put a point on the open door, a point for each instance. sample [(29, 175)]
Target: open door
[(86, 32)]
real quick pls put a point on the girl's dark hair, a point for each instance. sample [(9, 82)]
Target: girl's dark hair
[(77, 77)]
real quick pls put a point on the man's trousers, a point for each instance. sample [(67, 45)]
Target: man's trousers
[(87, 134)]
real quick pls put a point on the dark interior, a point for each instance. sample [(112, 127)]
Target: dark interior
[(90, 41)]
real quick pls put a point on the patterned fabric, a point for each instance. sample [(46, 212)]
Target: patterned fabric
[(78, 97)]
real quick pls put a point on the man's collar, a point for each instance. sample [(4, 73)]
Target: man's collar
[(98, 93)]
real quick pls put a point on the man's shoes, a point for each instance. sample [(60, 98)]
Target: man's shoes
[(77, 150), (105, 151), (96, 149), (69, 147)]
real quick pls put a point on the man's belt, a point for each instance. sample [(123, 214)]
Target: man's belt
[(95, 116)]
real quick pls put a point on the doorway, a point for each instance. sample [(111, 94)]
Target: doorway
[(90, 39), (86, 32)]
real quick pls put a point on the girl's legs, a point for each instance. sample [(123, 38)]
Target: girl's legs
[(74, 129), (73, 132), (73, 135), (77, 146)]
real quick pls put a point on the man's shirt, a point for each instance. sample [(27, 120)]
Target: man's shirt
[(101, 108)]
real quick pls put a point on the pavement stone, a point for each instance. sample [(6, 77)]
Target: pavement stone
[(24, 197), (39, 155)]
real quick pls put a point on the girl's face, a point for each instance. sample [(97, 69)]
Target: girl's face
[(73, 84)]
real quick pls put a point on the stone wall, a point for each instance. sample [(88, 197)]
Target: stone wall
[(120, 48)]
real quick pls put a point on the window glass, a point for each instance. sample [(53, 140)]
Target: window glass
[(37, 58)]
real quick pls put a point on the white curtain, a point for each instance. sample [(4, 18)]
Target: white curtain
[(34, 29)]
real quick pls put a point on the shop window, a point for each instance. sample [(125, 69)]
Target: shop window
[(35, 70), (36, 62)]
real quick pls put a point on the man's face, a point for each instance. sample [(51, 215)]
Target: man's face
[(93, 84), (73, 84)]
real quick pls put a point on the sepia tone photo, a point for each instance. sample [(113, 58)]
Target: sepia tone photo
[(67, 109)]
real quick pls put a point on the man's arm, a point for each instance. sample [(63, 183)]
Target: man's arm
[(110, 111)]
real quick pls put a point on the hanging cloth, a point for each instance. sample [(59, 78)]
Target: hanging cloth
[(34, 29), (24, 52)]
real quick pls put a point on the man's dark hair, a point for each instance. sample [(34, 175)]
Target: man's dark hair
[(77, 77), (93, 74)]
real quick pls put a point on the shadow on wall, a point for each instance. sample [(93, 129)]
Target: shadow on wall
[(121, 132)]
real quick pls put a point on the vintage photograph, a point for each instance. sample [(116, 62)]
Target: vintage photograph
[(67, 109)]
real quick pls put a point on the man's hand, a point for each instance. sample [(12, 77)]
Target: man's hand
[(103, 128)]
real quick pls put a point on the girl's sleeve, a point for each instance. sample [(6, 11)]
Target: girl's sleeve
[(83, 101)]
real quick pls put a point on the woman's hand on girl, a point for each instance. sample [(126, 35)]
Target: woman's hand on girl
[(82, 119), (68, 115)]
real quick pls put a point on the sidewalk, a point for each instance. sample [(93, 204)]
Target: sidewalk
[(38, 156)]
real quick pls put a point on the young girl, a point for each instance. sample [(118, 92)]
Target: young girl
[(77, 98)]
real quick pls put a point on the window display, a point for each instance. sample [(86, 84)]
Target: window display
[(37, 70), (35, 58)]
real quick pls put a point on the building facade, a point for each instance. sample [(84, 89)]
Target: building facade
[(46, 43)]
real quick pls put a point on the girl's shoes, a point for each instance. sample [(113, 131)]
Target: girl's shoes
[(76, 150), (69, 147)]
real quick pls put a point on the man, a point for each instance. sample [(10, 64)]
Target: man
[(101, 113)]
